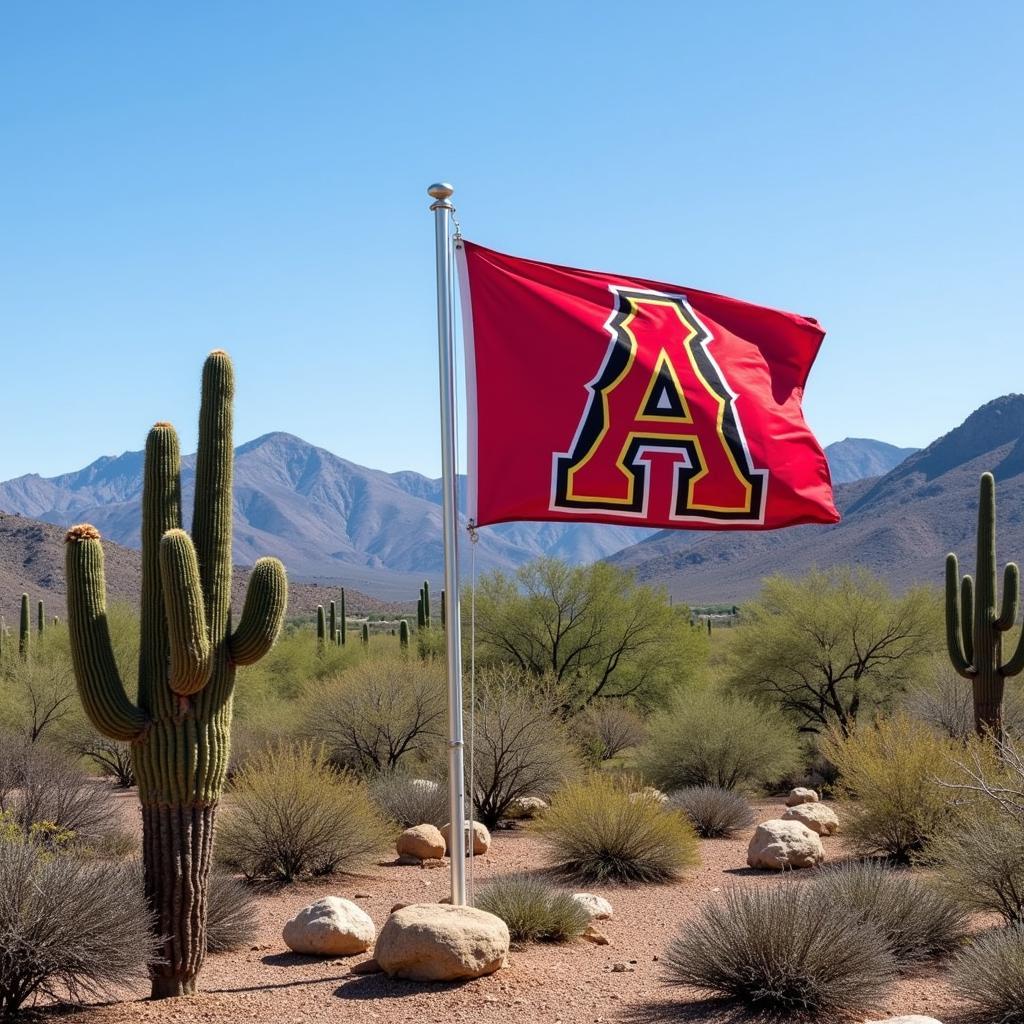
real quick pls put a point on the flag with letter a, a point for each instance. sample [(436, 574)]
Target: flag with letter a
[(601, 398)]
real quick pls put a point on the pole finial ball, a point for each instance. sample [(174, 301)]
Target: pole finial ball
[(440, 190)]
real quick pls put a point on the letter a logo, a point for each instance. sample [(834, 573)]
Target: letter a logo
[(660, 430)]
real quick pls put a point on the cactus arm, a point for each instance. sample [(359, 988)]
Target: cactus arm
[(967, 616), (190, 651), (99, 682), (1015, 665), (954, 625), (266, 600), (1011, 597)]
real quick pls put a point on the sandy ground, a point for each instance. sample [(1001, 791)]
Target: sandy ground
[(568, 984)]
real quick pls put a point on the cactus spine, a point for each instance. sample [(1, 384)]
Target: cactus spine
[(974, 630), (343, 624), (179, 727), (321, 627), (403, 633), (23, 627)]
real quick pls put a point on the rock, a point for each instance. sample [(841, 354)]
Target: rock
[(422, 841), (596, 936), (526, 807), (366, 967), (912, 1018), (818, 818), (801, 795), (650, 792), (781, 844), (481, 838), (330, 927), (399, 906), (438, 942), (597, 907)]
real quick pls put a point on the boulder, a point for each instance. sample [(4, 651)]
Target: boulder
[(422, 841), (526, 807), (818, 818), (912, 1018), (481, 838), (330, 927), (781, 844), (439, 942), (800, 795), (597, 907)]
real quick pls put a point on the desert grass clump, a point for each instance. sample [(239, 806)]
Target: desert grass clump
[(231, 909), (785, 951), (917, 918), (601, 829), (69, 929), (533, 909), (715, 813), (891, 769), (989, 974), (292, 814), (408, 801), (709, 739)]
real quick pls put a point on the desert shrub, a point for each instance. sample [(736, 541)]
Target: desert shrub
[(533, 909), (598, 829), (989, 974), (782, 950), (607, 729), (520, 747), (917, 918), (715, 813), (69, 929), (113, 758), (292, 814), (382, 713), (891, 769), (409, 801), (709, 739), (231, 913)]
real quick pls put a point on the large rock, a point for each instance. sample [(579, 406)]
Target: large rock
[(597, 907), (800, 795), (818, 818), (330, 927), (778, 844), (422, 841), (912, 1018), (481, 838), (438, 942), (526, 807)]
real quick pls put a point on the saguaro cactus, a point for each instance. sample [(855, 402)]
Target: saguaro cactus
[(23, 627), (179, 727), (332, 620), (343, 624), (321, 627), (421, 622), (403, 633), (974, 631), (366, 633), (426, 603), (40, 618)]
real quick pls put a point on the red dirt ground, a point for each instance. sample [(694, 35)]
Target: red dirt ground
[(569, 984)]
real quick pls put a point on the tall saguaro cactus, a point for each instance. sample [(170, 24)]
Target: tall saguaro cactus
[(974, 628), (179, 725), (321, 627), (343, 620), (23, 627)]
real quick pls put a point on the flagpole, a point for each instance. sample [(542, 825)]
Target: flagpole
[(442, 210)]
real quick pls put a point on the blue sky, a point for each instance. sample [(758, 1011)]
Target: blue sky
[(177, 177)]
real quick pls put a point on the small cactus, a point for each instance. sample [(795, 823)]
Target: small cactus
[(403, 633), (366, 632)]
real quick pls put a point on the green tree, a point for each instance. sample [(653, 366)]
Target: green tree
[(592, 630), (831, 645)]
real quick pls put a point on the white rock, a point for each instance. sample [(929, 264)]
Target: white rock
[(912, 1018), (330, 927), (597, 907), (526, 807), (818, 818), (438, 942), (481, 838), (422, 841), (781, 844), (800, 795)]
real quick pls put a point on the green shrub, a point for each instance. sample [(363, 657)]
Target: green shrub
[(381, 714), (599, 830), (533, 910), (782, 950), (69, 929), (410, 801), (989, 974), (918, 919), (708, 739), (292, 814), (891, 770), (715, 813), (607, 729)]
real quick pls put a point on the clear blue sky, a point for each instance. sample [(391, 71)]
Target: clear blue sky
[(180, 176)]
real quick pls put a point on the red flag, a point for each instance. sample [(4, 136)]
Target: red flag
[(600, 398)]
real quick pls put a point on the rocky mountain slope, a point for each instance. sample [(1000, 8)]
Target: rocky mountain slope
[(857, 458)]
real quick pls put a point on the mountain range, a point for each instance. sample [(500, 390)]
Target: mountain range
[(900, 525), (857, 458)]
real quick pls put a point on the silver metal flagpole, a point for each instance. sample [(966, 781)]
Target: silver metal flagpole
[(442, 209)]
